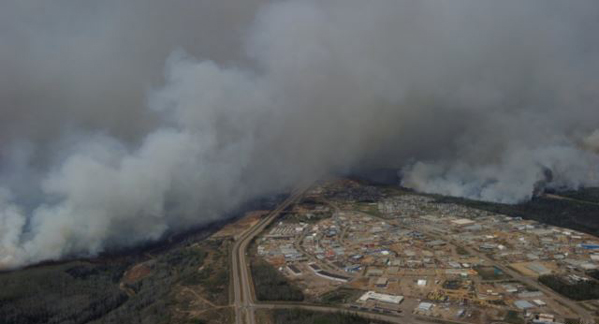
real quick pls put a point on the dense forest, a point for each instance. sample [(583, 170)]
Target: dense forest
[(298, 316), (586, 194), (77, 292), (107, 291), (270, 285), (583, 290), (594, 274)]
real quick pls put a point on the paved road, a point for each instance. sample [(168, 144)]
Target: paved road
[(584, 314), (242, 283)]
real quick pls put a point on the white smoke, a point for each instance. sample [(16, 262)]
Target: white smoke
[(512, 179), (592, 142), (485, 98)]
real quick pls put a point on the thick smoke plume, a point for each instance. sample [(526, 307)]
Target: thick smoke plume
[(483, 99)]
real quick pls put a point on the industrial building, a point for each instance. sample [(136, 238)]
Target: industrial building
[(390, 299)]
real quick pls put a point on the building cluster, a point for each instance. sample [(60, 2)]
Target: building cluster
[(410, 253)]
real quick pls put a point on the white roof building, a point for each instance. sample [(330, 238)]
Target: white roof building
[(425, 306), (538, 268), (371, 295), (462, 222), (523, 304), (588, 266)]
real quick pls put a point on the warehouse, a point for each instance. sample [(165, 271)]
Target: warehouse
[(390, 299)]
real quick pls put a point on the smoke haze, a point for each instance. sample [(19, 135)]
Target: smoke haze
[(104, 145)]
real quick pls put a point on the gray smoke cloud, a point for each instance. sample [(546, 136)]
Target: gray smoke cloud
[(102, 149)]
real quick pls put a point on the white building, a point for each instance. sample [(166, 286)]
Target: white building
[(390, 299), (425, 307), (462, 222)]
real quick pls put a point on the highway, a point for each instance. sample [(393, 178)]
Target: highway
[(242, 284)]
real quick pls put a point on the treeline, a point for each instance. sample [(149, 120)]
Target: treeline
[(341, 296), (72, 293), (586, 194), (583, 290), (89, 292), (299, 316), (270, 285), (594, 274)]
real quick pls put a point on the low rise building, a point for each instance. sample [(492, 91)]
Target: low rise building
[(385, 298)]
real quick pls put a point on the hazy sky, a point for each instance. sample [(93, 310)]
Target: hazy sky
[(124, 120)]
